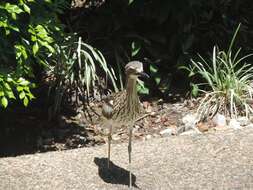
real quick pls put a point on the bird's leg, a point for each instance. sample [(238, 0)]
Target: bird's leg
[(109, 146), (129, 154)]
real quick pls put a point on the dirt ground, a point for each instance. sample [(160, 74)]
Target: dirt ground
[(27, 131), (220, 160)]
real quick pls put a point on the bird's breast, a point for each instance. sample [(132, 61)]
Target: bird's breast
[(107, 110)]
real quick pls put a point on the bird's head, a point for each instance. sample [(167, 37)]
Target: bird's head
[(135, 69)]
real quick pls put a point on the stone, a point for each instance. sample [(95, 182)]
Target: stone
[(153, 113), (166, 132), (172, 130), (243, 121), (219, 120), (190, 132), (202, 127), (82, 138), (148, 137), (135, 130), (234, 124), (190, 121), (137, 126), (115, 137)]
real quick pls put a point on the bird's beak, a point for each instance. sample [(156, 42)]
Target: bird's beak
[(144, 75)]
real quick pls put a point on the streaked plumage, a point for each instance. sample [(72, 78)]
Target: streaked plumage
[(123, 108)]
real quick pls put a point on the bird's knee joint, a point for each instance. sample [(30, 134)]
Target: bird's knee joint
[(129, 148)]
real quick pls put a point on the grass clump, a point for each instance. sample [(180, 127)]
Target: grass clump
[(228, 79)]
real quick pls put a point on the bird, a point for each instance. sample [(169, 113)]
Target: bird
[(123, 109)]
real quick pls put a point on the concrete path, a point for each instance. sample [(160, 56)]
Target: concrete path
[(223, 160)]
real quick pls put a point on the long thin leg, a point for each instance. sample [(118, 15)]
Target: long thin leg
[(129, 154), (109, 146)]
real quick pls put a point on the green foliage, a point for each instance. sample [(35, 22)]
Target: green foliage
[(130, 1), (75, 68), (135, 48), (229, 80), (28, 31), (167, 37)]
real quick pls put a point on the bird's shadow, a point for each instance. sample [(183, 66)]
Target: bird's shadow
[(114, 174)]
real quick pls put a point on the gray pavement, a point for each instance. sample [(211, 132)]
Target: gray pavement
[(220, 160)]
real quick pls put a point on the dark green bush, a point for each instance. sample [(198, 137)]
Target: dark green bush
[(168, 33)]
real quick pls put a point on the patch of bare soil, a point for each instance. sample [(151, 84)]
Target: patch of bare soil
[(26, 131)]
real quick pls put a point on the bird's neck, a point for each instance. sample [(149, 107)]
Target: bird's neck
[(132, 97), (131, 86)]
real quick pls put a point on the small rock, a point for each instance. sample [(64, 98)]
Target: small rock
[(190, 132), (219, 120), (115, 137), (148, 137), (169, 131), (190, 121), (135, 130), (82, 138), (202, 127), (166, 132), (153, 113), (136, 126), (234, 124), (243, 121)]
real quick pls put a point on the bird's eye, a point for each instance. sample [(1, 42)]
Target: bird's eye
[(111, 102)]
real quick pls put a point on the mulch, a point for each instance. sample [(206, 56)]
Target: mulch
[(27, 130)]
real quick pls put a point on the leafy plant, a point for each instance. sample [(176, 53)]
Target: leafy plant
[(28, 31), (75, 71), (228, 79)]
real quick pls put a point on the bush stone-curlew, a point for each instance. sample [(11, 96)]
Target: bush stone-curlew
[(124, 108)]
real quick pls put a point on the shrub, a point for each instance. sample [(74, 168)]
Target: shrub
[(228, 79), (74, 68), (28, 32), (167, 37)]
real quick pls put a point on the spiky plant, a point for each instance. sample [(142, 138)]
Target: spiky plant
[(228, 78), (75, 70)]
